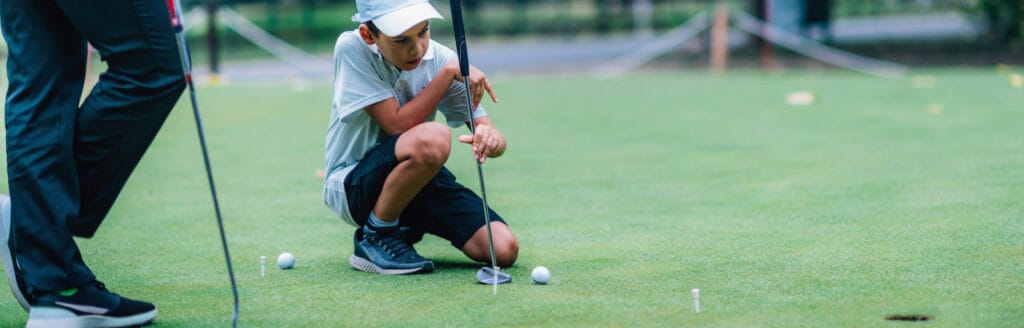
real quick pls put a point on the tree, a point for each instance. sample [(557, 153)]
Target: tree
[(1004, 18)]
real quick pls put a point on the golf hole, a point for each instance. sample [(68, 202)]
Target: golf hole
[(908, 317)]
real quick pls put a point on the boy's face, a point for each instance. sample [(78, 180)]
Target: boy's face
[(406, 50)]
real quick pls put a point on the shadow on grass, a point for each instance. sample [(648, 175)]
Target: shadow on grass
[(446, 264)]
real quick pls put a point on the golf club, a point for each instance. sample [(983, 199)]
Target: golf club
[(173, 7), (492, 275)]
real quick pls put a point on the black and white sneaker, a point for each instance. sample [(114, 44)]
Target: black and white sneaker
[(385, 251), (10, 265), (91, 305)]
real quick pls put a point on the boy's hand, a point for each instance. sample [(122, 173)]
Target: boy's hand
[(477, 80), (487, 142)]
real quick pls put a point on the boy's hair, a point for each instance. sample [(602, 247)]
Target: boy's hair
[(373, 28)]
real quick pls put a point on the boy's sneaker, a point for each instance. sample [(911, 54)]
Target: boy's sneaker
[(385, 251), (91, 305), (17, 284)]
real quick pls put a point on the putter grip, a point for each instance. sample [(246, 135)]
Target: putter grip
[(460, 37)]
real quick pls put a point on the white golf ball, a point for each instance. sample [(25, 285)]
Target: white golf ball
[(540, 275), (286, 261)]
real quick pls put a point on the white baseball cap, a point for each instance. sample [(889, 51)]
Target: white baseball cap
[(393, 17)]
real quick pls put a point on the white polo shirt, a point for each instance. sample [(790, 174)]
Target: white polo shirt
[(362, 78)]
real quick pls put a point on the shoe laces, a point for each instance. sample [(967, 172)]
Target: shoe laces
[(393, 243), (100, 286)]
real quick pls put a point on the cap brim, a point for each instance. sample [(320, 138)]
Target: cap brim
[(401, 20)]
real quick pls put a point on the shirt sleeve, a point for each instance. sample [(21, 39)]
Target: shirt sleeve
[(357, 83), (453, 105)]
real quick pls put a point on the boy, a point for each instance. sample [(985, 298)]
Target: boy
[(385, 155)]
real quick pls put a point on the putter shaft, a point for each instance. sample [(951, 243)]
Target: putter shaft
[(463, 52), (186, 67), (483, 187)]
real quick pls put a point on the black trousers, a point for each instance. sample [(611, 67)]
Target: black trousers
[(68, 159)]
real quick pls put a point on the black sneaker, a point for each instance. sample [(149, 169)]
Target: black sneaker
[(17, 284), (91, 305), (384, 251)]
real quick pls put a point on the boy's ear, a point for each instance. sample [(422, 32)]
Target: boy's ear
[(365, 33)]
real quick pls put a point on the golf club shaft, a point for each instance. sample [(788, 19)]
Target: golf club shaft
[(463, 51), (186, 67)]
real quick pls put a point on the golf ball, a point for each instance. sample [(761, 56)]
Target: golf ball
[(286, 261), (540, 275)]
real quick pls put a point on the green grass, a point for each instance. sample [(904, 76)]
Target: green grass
[(631, 191)]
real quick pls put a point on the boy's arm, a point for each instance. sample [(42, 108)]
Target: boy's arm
[(395, 119), (487, 142)]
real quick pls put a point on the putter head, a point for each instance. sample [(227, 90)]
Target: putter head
[(487, 276)]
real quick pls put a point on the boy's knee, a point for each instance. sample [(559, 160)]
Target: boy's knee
[(432, 144), (506, 246), (506, 252)]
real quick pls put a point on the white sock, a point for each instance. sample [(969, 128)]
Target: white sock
[(375, 222)]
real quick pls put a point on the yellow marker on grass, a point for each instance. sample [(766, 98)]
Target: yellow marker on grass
[(1016, 80)]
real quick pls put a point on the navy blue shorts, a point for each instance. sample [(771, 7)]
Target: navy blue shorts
[(444, 207)]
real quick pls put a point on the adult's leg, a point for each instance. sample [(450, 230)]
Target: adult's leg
[(126, 108), (45, 68)]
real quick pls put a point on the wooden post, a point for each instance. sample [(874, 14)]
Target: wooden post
[(766, 46), (212, 44), (720, 39)]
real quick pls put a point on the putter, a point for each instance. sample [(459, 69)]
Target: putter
[(173, 7), (487, 275)]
